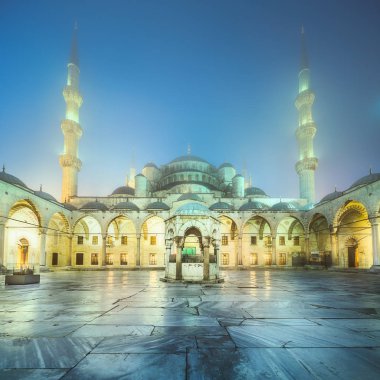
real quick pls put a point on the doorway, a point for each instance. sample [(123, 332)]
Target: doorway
[(352, 257), (23, 248)]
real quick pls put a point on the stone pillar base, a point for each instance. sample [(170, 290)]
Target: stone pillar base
[(375, 269)]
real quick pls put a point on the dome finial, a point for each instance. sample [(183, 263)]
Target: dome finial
[(188, 149), (370, 170), (3, 168), (40, 187)]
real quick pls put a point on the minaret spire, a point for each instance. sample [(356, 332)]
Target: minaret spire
[(306, 130), (70, 126)]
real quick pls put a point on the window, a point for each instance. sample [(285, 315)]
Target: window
[(152, 259), (94, 259), (296, 240), (153, 240), (80, 240), (79, 259), (109, 240), (124, 240), (95, 240), (224, 240), (225, 259), (123, 259), (282, 259), (109, 259), (253, 240), (281, 240), (54, 260), (268, 240), (253, 259)]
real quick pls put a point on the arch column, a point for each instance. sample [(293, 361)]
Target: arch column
[(104, 248), (42, 234), (168, 244), (239, 250), (334, 248), (274, 249), (375, 222), (138, 250), (178, 272), (307, 247), (70, 240), (206, 259), (2, 244)]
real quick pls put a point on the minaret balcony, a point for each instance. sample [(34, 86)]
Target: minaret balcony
[(308, 163), (67, 160), (71, 126)]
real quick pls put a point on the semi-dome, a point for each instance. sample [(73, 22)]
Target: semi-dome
[(226, 165), (190, 197), (252, 205), (158, 206), (254, 191), (94, 206), (44, 195), (371, 177), (9, 178), (283, 206), (150, 165), (69, 207), (188, 157), (331, 196), (221, 206), (192, 209), (124, 190), (129, 206)]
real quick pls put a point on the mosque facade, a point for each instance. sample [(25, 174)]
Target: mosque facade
[(188, 211)]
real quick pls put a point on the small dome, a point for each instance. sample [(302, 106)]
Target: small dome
[(331, 196), (188, 157), (124, 190), (69, 206), (283, 206), (371, 177), (11, 179), (94, 206), (192, 209), (140, 175), (226, 165), (189, 196), (238, 176), (44, 195), (221, 206), (254, 191), (126, 206), (252, 206), (151, 165), (159, 206)]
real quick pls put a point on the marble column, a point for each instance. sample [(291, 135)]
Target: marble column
[(2, 244), (307, 248), (274, 249), (206, 259), (70, 242), (138, 251), (375, 241), (334, 248), (168, 244), (239, 251), (42, 252), (178, 259), (104, 249)]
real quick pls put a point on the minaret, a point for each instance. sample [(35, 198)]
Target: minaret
[(306, 130), (71, 128)]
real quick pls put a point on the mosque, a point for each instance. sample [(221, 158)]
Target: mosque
[(188, 212)]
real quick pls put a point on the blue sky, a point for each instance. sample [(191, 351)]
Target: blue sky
[(219, 75)]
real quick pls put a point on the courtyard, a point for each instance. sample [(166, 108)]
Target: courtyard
[(294, 324)]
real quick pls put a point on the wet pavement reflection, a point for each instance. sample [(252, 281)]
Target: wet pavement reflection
[(130, 325)]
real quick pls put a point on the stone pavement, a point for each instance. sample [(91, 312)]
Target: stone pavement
[(292, 324)]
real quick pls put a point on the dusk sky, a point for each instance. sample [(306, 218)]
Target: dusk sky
[(219, 75)]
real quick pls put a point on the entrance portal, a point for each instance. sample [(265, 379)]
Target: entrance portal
[(352, 257), (23, 248)]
